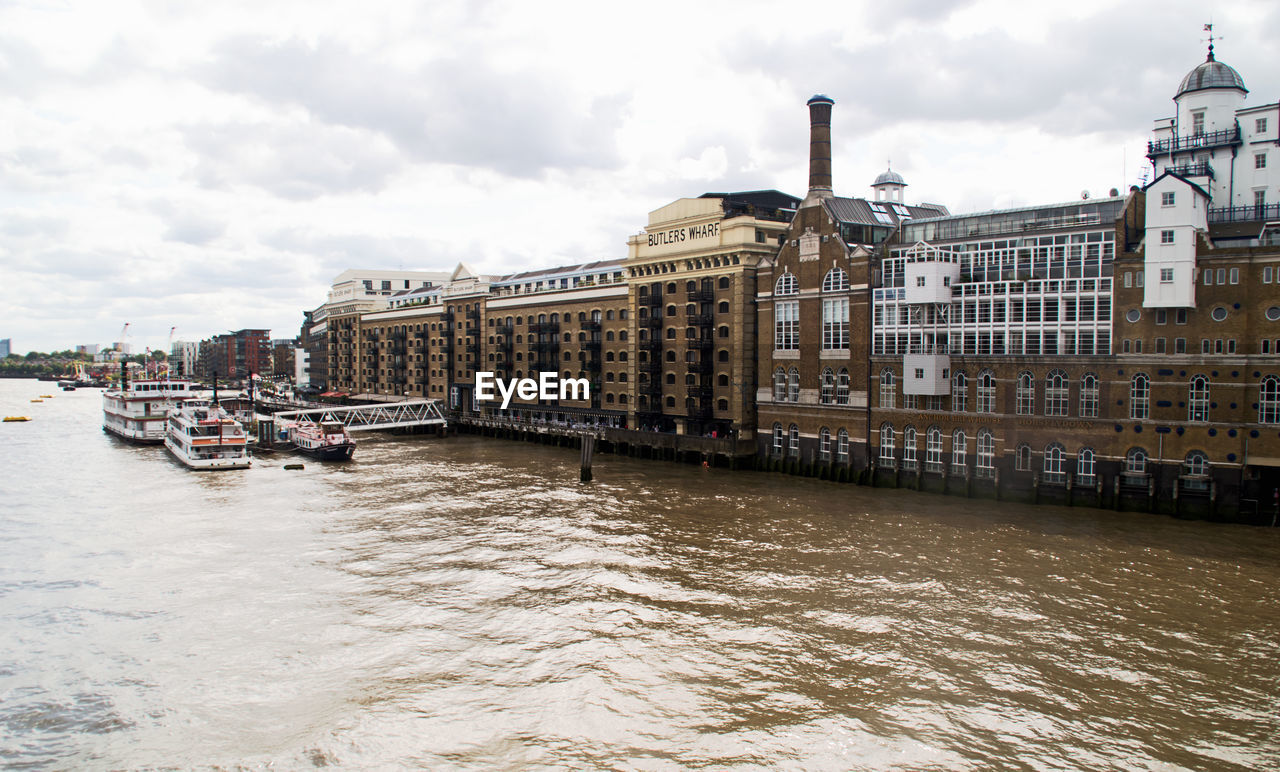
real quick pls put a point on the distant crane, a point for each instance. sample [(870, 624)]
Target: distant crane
[(123, 332), (168, 366)]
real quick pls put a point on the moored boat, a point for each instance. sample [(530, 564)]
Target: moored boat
[(135, 410), (327, 440), (202, 435)]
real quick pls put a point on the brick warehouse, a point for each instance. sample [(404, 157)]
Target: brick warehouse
[(1119, 351)]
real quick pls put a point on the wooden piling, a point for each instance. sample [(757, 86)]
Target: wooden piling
[(588, 445)]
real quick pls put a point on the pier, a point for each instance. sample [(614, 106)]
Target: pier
[(365, 418)]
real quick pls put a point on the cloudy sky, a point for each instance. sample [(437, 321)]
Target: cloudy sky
[(213, 166)]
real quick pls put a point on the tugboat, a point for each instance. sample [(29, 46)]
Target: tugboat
[(326, 441), (136, 410), (202, 435)]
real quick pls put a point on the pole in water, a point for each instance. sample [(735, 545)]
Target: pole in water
[(588, 445)]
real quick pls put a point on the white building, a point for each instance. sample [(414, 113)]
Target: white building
[(182, 357)]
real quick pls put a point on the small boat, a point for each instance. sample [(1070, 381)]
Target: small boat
[(202, 435), (68, 388), (16, 418), (38, 400), (326, 441), (46, 396)]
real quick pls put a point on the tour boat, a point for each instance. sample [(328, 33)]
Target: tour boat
[(202, 435), (135, 410), (327, 441)]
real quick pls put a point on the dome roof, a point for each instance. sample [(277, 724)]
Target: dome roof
[(1211, 74), (889, 176)]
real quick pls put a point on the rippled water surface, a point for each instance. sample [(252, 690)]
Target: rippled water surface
[(467, 603)]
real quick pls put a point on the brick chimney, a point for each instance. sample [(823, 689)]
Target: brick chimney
[(819, 150)]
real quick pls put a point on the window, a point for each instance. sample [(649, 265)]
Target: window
[(779, 385), (1135, 462), (842, 447), (1269, 400), (1056, 394), (842, 387), (1260, 125), (1197, 122), (959, 451), (1086, 473), (1180, 317), (836, 280), (933, 450), (959, 392), (1166, 237), (835, 323), (1266, 274), (1140, 397), (909, 448), (986, 392), (777, 440), (888, 389), (1259, 160), (824, 444), (1167, 198), (793, 441), (1218, 314), (1195, 471), (1259, 198), (986, 466), (1166, 276), (828, 386), (1026, 395), (1054, 467), (1198, 399), (1022, 458), (1234, 275), (1208, 277), (887, 450), (786, 325), (793, 385), (1162, 316), (786, 284)]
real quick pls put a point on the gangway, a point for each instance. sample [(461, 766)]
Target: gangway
[(364, 418)]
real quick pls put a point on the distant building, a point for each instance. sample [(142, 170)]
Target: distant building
[(88, 348), (235, 355), (282, 357), (6, 347), (182, 358)]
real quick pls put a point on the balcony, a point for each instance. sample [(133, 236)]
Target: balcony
[(652, 322), (591, 325), (701, 344), (651, 301), (505, 330), (1244, 213), (540, 328), (591, 365), (447, 317), (592, 344), (472, 331), (706, 294), (1194, 142), (652, 366), (701, 320), (1198, 169), (702, 366), (698, 392)]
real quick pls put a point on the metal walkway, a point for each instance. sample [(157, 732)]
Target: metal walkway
[(364, 418)]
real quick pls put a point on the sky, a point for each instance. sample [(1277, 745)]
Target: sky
[(213, 166)]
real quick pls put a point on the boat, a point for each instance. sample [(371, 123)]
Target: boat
[(136, 409), (326, 441), (16, 418), (46, 396), (202, 435), (37, 400)]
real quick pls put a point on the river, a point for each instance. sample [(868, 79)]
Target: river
[(466, 602)]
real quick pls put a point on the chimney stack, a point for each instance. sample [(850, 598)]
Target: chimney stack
[(819, 149)]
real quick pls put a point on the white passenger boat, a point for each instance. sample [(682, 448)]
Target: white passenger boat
[(136, 409), (326, 441), (202, 435)]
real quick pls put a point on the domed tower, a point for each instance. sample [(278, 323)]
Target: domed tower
[(1208, 98), (888, 186)]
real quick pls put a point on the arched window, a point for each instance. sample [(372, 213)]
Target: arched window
[(959, 451), (1089, 396), (887, 450), (1054, 463), (1140, 397), (786, 284), (909, 448), (1198, 399), (793, 441), (842, 447), (986, 392), (1056, 393), (888, 388), (842, 387), (1022, 458), (1026, 393), (828, 394), (779, 385), (933, 450), (836, 280), (793, 385), (777, 440), (1086, 469), (824, 444), (1135, 462), (959, 391), (1195, 471), (986, 466), (1269, 400)]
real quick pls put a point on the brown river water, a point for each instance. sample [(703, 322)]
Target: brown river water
[(467, 603)]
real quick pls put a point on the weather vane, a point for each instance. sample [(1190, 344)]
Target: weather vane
[(1209, 28)]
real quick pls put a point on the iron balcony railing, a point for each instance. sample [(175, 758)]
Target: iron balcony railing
[(1229, 136), (1198, 169), (703, 294), (591, 325), (651, 301), (1255, 213), (653, 321), (702, 320)]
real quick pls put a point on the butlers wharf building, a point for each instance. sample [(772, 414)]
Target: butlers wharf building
[(1121, 351)]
